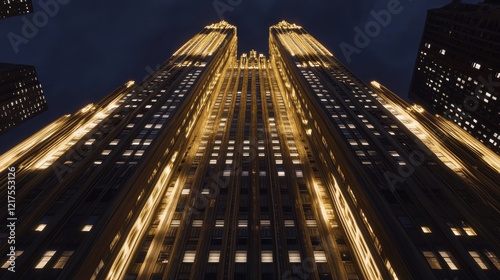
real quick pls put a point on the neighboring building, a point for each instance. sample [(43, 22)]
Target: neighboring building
[(21, 95), (10, 8), (457, 72), (227, 167)]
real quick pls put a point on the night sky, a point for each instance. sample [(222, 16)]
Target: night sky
[(83, 49)]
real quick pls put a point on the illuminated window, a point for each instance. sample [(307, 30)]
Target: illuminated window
[(311, 223), (319, 256), (219, 223), (240, 257), (294, 256), (431, 259), (264, 223), (86, 228), (456, 231), (493, 258), (447, 258), (7, 263), (213, 256), (476, 65), (197, 223), (442, 51), (242, 223), (475, 255), (469, 231), (360, 153), (189, 256), (45, 259), (63, 259), (426, 229), (40, 227), (267, 256)]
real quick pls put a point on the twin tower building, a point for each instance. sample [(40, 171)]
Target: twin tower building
[(221, 166)]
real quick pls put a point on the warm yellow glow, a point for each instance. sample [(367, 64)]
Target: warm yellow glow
[(426, 229), (40, 227), (470, 231), (24, 147), (130, 83), (87, 108), (418, 108), (45, 259), (131, 241), (353, 232), (205, 44), (435, 142), (86, 228), (375, 84)]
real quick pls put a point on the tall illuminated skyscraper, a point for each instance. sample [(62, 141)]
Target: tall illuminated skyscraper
[(227, 167), (457, 72), (10, 8), (21, 95)]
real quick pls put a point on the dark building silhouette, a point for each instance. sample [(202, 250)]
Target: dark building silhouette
[(457, 72), (10, 8), (252, 167), (21, 95)]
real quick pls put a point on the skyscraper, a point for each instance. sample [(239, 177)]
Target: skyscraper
[(227, 167), (457, 72), (10, 8), (21, 95)]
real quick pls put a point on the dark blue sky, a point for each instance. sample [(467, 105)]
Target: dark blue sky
[(83, 49)]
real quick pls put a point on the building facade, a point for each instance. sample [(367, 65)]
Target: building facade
[(21, 95), (10, 8), (457, 72), (252, 167)]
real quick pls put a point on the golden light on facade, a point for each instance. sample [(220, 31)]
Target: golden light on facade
[(429, 138)]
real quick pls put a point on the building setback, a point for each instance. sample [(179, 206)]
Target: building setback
[(21, 95), (10, 8), (221, 166), (457, 72)]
